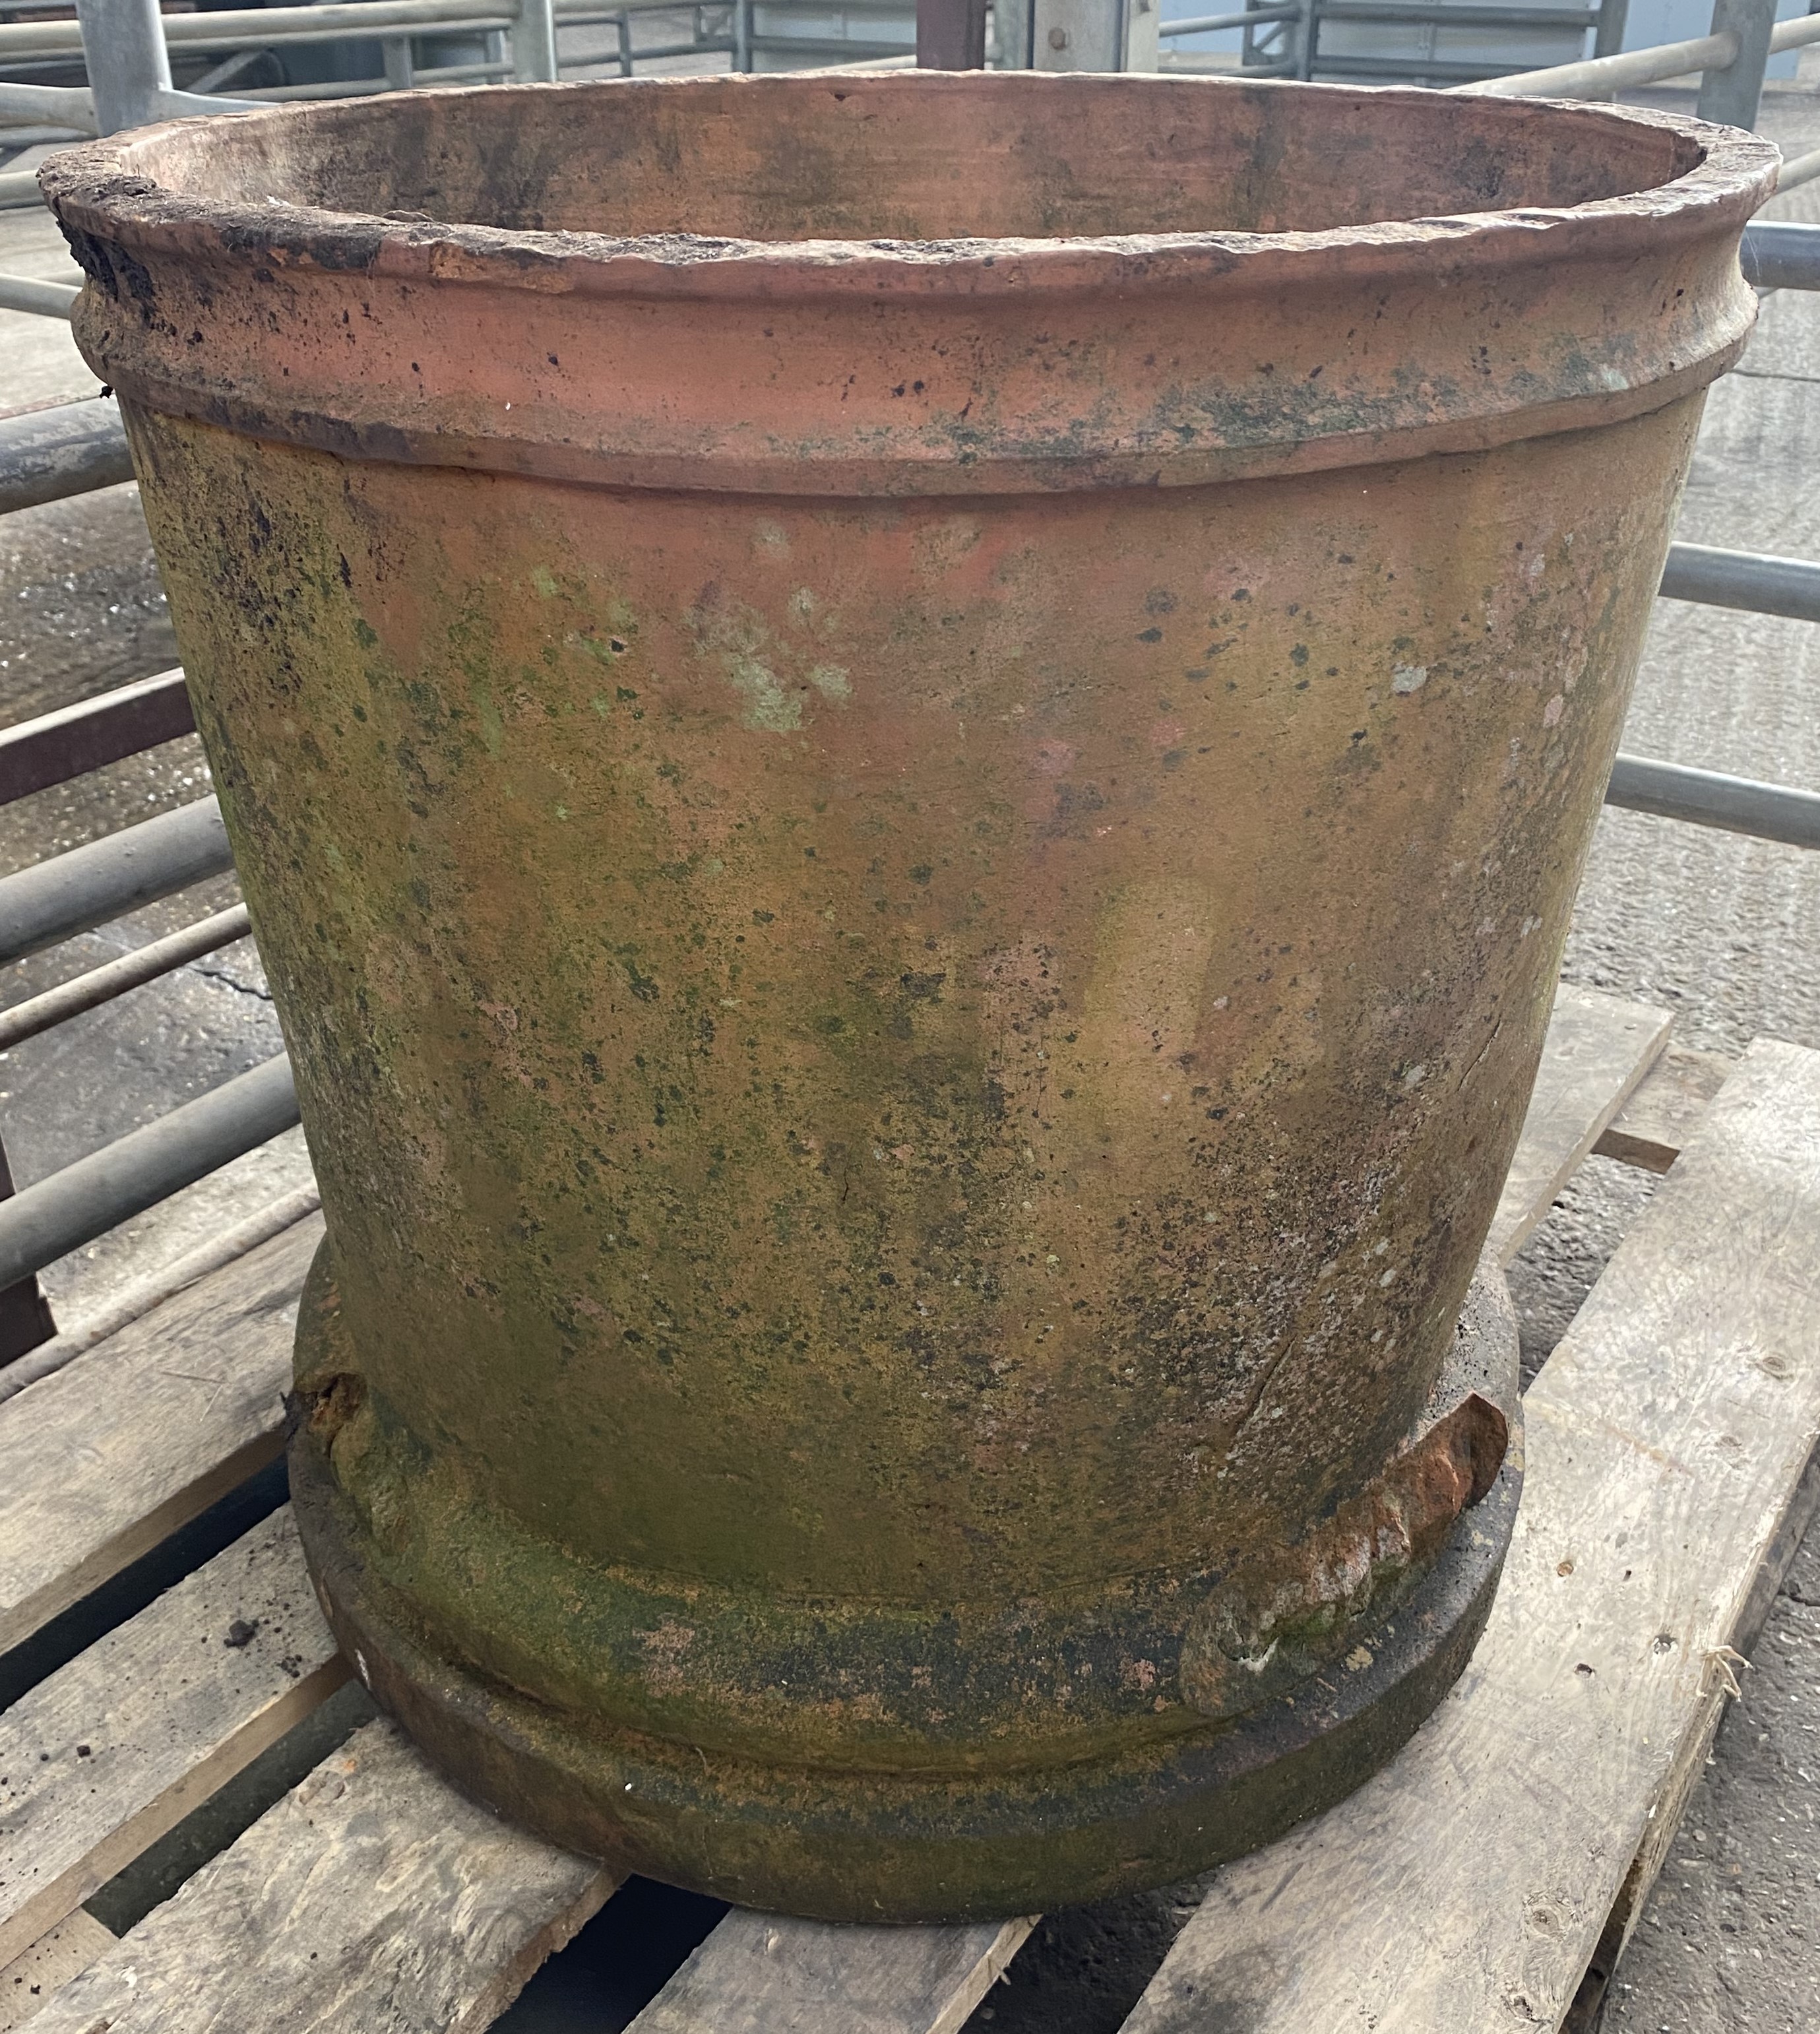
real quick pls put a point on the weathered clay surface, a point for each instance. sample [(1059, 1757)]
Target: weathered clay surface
[(911, 1005)]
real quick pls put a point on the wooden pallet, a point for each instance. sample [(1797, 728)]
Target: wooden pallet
[(1485, 1880)]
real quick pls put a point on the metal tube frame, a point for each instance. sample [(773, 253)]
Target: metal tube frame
[(71, 893), (56, 1215)]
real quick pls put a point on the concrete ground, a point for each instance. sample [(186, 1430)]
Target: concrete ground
[(1724, 931)]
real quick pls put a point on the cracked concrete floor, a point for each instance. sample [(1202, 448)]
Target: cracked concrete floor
[(1726, 932)]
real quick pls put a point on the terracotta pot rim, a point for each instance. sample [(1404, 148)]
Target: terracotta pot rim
[(95, 186)]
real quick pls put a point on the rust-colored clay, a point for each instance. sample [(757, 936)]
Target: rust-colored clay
[(910, 753)]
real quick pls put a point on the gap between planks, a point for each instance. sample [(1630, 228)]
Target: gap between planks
[(1469, 1884)]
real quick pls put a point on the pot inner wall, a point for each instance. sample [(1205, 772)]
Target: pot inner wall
[(1017, 156)]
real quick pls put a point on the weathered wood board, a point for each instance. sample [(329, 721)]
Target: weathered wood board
[(1597, 1050), (102, 1460), (762, 1974), (1650, 1129), (1468, 1885), (33, 1978), (372, 1897), (99, 1761)]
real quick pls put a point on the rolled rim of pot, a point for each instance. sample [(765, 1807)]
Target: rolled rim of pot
[(920, 282)]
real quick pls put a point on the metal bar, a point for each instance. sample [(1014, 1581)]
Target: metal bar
[(1479, 76), (534, 58), (262, 26), (60, 105), (1710, 798), (1418, 15), (357, 88), (35, 754), (742, 34), (69, 449), (48, 1220), (129, 66), (1210, 24), (226, 71), (137, 1299), (951, 35), (1598, 77), (116, 977), (1794, 34), (26, 293), (1778, 254), (400, 70), (74, 892), (1608, 37), (1799, 170), (837, 47), (1747, 579), (1732, 95), (25, 1317)]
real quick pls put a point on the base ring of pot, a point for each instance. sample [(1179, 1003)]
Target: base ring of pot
[(863, 1846)]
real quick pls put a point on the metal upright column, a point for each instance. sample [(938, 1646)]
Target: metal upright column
[(25, 1317), (1732, 95), (1094, 35), (951, 35), (129, 66), (534, 42), (1608, 37)]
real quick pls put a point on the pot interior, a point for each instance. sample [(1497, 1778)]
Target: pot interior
[(992, 154)]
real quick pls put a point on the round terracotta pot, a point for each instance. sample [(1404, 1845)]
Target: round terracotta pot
[(910, 753)]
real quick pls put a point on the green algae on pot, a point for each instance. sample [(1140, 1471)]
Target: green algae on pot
[(911, 754)]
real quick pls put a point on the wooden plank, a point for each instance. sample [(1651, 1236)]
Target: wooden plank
[(1598, 1047), (1627, 1909), (106, 1457), (29, 1982), (1650, 1129), (1468, 1884), (99, 1761), (372, 1897), (762, 1974)]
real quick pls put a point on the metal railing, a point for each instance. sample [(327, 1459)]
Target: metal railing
[(57, 453)]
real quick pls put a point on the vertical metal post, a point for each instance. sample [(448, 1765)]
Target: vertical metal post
[(400, 72), (1011, 20), (534, 42), (1142, 41), (1094, 35), (129, 66), (742, 34), (1732, 95), (951, 35), (25, 1320), (624, 26), (1308, 39), (1608, 37)]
